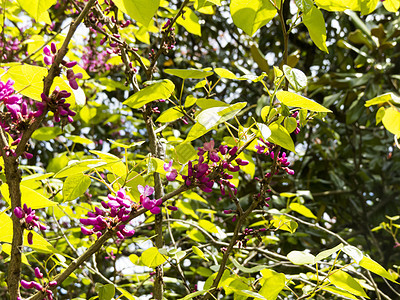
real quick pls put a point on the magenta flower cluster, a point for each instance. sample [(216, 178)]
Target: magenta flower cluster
[(33, 284), (282, 159), (29, 220), (150, 204), (11, 100), (220, 158), (114, 211), (57, 104), (50, 54)]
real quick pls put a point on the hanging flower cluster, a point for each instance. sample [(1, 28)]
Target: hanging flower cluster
[(28, 220), (116, 210), (198, 173), (33, 284)]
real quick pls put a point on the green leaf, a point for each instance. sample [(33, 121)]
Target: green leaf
[(248, 293), (385, 98), (87, 114), (315, 23), (304, 5), (161, 89), (46, 133), (190, 22), (152, 258), (195, 294), (247, 270), (28, 196), (338, 5), (126, 294), (126, 146), (140, 10), (194, 196), (290, 124), (185, 152), (250, 15), (280, 136), (75, 186), (354, 253), (212, 117), (224, 73), (303, 210), (301, 257), (284, 223), (37, 9), (344, 281), (265, 112), (391, 120), (208, 226), (273, 284), (75, 167), (204, 103), (29, 81), (259, 58), (198, 252), (190, 100), (296, 78), (189, 73), (196, 236), (79, 140), (106, 292), (265, 132), (373, 266), (391, 5), (338, 291), (326, 253), (380, 114), (6, 248), (295, 100), (170, 115)]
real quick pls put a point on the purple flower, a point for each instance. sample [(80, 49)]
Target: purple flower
[(38, 274), (171, 172)]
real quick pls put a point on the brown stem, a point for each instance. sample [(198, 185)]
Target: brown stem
[(164, 38), (13, 175)]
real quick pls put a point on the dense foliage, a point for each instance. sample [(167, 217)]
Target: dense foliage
[(199, 149)]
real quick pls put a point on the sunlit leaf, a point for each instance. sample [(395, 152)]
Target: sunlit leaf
[(295, 100), (251, 15), (152, 258), (344, 281), (161, 89), (139, 10), (315, 23)]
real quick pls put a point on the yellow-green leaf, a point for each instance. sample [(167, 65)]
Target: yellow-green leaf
[(161, 89), (391, 5), (140, 10), (169, 115), (75, 186), (295, 100), (344, 281), (250, 15), (315, 23), (32, 198), (189, 73), (301, 257), (373, 266), (37, 9), (208, 226), (303, 210), (280, 136), (191, 22), (152, 258), (391, 120), (198, 252), (224, 73)]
